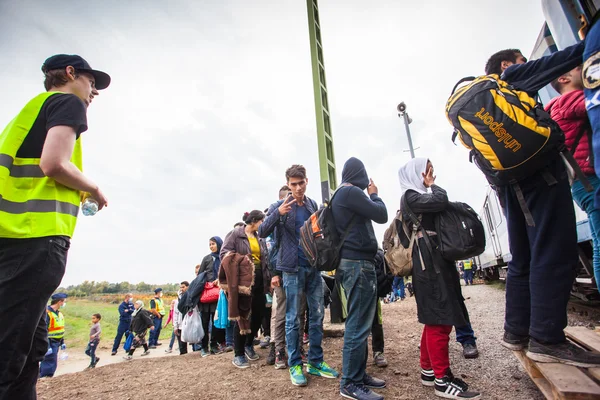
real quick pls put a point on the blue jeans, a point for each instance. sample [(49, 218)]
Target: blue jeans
[(359, 282), (121, 329), (465, 334), (401, 292), (468, 276), (229, 335), (306, 281), (172, 342), (154, 335), (91, 351), (585, 201), (50, 362)]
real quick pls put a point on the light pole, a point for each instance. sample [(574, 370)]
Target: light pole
[(407, 120)]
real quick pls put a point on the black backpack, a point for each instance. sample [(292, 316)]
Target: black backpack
[(320, 241), (460, 232), (385, 278)]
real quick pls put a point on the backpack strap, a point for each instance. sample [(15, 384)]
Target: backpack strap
[(463, 80), (523, 204), (346, 232), (568, 157), (415, 220)]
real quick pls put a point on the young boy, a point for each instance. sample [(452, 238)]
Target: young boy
[(95, 332), (568, 110)]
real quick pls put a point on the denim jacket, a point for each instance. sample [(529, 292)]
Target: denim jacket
[(284, 228)]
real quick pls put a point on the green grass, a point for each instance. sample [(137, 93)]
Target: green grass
[(78, 316)]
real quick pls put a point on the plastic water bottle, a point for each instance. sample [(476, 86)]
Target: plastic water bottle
[(89, 207), (63, 355)]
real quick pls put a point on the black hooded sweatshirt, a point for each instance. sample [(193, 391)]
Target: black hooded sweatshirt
[(349, 200)]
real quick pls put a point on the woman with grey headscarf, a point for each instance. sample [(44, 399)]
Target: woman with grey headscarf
[(436, 282), (140, 323)]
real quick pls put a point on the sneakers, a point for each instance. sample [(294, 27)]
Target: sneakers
[(152, 347), (373, 383), (204, 353), (227, 348), (146, 352), (168, 351), (250, 353), (215, 350), (271, 356), (241, 362), (128, 358), (322, 369), (114, 353), (450, 387), (514, 342), (470, 350), (359, 392), (379, 360), (264, 342), (96, 363), (296, 376), (280, 360), (427, 377), (566, 353), (305, 338)]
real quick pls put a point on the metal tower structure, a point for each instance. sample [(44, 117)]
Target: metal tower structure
[(324, 137)]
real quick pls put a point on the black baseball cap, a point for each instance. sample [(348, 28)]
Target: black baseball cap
[(61, 61)]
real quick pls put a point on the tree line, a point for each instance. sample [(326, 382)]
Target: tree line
[(88, 288)]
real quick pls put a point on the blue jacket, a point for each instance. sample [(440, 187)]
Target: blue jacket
[(534, 75), (284, 228), (351, 200), (125, 311)]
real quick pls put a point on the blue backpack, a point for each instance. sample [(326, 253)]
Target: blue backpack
[(128, 342)]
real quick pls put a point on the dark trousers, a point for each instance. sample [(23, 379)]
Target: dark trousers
[(121, 329), (544, 256), (266, 322), (216, 335), (468, 276), (465, 334), (377, 342), (154, 335), (91, 351), (183, 346), (50, 362), (258, 305), (30, 271)]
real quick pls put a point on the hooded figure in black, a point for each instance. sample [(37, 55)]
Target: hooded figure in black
[(350, 201), (352, 209)]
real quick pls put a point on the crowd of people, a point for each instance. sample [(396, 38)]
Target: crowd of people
[(41, 183)]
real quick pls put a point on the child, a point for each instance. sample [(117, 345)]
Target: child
[(139, 326), (95, 332), (568, 110)]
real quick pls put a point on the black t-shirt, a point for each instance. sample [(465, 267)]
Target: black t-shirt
[(58, 109)]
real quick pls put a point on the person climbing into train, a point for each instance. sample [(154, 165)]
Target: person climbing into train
[(568, 110), (543, 241), (436, 281)]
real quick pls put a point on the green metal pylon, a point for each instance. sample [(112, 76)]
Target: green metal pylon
[(324, 137)]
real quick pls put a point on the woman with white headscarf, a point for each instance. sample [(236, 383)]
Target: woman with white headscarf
[(140, 323), (436, 282)]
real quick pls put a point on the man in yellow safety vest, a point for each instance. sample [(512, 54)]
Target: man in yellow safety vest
[(157, 308), (41, 185), (56, 332)]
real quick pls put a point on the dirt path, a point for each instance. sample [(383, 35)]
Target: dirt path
[(497, 373)]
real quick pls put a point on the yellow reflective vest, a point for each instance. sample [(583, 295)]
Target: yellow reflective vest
[(467, 265), (160, 308), (32, 204), (56, 327)]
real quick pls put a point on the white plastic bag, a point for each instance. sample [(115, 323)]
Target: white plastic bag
[(191, 327)]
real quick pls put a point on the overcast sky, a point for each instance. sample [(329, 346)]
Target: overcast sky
[(211, 101)]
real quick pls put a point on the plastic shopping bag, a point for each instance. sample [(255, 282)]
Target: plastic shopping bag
[(191, 327), (221, 313), (128, 342)]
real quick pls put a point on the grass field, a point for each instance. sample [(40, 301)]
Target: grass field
[(78, 315)]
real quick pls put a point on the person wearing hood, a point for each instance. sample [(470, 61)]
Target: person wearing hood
[(285, 218), (436, 281), (210, 264), (140, 323), (353, 211)]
